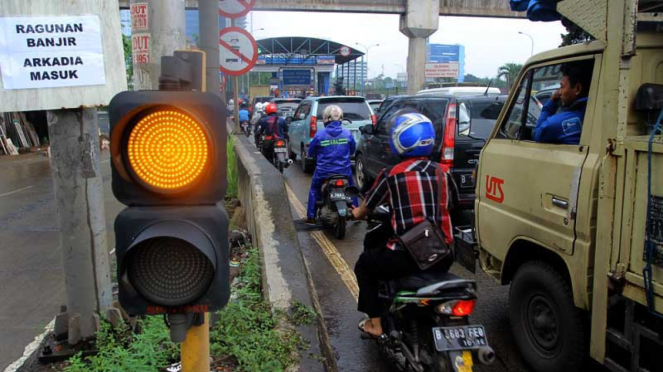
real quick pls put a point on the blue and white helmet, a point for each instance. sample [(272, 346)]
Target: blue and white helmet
[(412, 134)]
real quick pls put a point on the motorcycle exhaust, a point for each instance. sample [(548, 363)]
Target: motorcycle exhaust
[(486, 355), (289, 161)]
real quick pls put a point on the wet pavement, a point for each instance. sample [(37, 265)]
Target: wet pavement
[(32, 289), (339, 306)]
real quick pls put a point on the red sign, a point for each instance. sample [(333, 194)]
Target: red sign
[(238, 51), (494, 190), (235, 8), (139, 17), (140, 49)]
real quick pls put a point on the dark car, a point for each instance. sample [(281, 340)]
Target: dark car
[(386, 103), (456, 145), (285, 107)]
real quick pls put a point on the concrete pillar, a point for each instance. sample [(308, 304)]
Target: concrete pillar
[(80, 208), (419, 22), (209, 41), (165, 33)]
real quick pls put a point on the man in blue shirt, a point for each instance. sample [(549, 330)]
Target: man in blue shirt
[(332, 147), (565, 126)]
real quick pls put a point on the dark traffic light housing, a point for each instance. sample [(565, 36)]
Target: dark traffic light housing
[(168, 151)]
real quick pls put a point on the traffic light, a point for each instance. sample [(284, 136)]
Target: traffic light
[(168, 152)]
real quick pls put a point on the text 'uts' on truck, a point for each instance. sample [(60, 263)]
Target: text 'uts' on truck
[(577, 229)]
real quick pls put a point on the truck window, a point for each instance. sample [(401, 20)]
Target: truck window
[(552, 76), (510, 129)]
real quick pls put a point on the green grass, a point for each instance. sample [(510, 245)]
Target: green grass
[(119, 350), (232, 168), (248, 330)]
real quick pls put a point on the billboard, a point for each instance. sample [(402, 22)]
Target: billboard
[(441, 70), (447, 54)]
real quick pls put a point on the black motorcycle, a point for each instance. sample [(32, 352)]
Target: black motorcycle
[(246, 128), (276, 151), (335, 203), (426, 316)]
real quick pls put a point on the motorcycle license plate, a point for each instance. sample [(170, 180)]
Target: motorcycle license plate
[(459, 338), (280, 149), (338, 196)]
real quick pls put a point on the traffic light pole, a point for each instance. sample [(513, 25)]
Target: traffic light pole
[(195, 348), (79, 196)]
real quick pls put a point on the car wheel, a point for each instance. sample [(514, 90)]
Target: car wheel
[(546, 325), (362, 178), (306, 165)]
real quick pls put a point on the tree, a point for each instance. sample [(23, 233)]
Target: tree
[(128, 61), (510, 72), (574, 34)]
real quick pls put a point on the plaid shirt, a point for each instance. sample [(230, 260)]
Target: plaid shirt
[(411, 189)]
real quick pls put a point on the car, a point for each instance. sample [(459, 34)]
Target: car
[(374, 103), (285, 107), (386, 103), (456, 147), (461, 91), (308, 117)]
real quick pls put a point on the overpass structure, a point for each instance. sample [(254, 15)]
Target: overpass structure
[(419, 19)]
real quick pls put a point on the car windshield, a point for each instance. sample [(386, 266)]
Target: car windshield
[(352, 109), (481, 114)]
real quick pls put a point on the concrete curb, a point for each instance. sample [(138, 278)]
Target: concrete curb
[(286, 279)]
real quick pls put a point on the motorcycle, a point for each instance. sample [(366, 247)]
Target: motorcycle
[(335, 203), (276, 151), (426, 315), (246, 128)]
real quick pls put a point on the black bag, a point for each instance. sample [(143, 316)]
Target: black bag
[(425, 241)]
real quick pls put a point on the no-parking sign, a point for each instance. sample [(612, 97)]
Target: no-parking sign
[(238, 51), (235, 8)]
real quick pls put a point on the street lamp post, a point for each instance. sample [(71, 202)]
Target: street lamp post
[(363, 78), (531, 39)]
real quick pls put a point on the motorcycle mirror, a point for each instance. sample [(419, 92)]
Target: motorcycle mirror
[(351, 191)]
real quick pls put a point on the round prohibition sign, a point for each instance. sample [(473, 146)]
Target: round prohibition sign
[(345, 51), (235, 8), (238, 51)]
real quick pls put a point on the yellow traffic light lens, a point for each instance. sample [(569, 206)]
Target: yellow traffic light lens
[(168, 150)]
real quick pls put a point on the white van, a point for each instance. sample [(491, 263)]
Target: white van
[(459, 91)]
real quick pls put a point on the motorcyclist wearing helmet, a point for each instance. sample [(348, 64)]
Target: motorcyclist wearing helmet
[(271, 125), (411, 189), (332, 148), (243, 113)]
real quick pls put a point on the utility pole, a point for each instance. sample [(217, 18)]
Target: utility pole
[(209, 42), (77, 179), (162, 34), (419, 22)]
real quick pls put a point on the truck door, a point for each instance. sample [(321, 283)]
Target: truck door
[(528, 190)]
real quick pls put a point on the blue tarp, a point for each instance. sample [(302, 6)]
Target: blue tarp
[(537, 10)]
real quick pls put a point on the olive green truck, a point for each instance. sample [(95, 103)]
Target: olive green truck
[(577, 229)]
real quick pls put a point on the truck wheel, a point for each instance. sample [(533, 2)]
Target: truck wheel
[(545, 323)]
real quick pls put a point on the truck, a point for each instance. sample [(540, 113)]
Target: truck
[(576, 230)]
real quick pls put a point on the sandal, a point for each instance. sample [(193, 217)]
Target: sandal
[(364, 334)]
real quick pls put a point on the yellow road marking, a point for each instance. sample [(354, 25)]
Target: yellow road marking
[(334, 257)]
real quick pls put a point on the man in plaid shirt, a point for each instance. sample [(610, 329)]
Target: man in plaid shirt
[(411, 188)]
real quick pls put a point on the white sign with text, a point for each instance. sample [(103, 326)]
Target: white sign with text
[(441, 70), (48, 52)]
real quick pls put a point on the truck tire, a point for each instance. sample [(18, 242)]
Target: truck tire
[(545, 323)]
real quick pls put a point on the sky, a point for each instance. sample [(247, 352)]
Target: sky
[(489, 42)]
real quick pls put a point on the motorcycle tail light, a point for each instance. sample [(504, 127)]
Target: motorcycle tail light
[(268, 137), (456, 308), (339, 183), (280, 143), (463, 308)]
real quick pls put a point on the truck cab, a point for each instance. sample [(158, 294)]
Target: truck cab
[(566, 224)]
